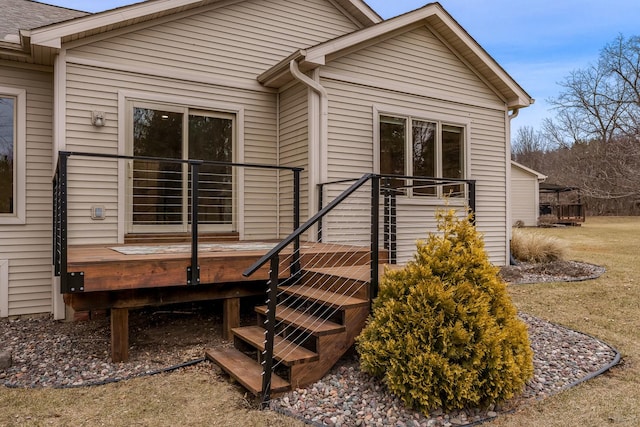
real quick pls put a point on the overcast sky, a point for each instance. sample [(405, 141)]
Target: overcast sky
[(538, 42)]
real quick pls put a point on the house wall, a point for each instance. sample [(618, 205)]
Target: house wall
[(524, 197), (25, 249), (294, 149), (415, 73), (209, 59)]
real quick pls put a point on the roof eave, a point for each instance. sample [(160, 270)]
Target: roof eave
[(52, 35), (278, 75), (515, 97)]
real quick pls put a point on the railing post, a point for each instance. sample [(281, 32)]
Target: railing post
[(390, 222), (375, 231), (55, 220), (472, 200), (295, 262), (270, 327), (193, 272), (320, 202), (63, 158)]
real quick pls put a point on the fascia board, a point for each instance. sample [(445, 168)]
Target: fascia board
[(52, 35), (317, 53), (362, 8)]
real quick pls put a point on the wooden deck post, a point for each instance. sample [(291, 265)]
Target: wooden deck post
[(230, 316), (119, 334)]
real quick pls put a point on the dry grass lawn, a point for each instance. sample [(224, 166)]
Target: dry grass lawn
[(608, 308)]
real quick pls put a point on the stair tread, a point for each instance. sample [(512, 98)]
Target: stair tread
[(244, 369), (284, 350), (311, 324), (328, 298)]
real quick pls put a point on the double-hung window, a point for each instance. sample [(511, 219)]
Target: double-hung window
[(417, 147)]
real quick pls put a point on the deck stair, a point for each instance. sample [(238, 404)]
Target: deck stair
[(315, 326)]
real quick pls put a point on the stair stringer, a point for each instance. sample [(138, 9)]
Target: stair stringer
[(330, 349)]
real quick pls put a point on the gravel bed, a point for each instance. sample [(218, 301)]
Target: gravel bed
[(555, 271), (348, 397), (47, 353)]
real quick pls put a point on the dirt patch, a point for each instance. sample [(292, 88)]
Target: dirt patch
[(555, 271)]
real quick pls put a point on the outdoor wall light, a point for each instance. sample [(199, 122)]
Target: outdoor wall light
[(98, 118)]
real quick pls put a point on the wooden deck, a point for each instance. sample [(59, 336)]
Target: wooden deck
[(123, 277), (125, 267)]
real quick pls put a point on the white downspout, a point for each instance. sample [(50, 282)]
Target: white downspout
[(510, 117), (318, 144)]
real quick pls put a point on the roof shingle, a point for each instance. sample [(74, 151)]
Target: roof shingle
[(27, 14)]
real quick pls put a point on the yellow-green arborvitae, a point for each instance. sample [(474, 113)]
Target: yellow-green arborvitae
[(444, 332)]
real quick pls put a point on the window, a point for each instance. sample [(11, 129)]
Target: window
[(411, 146), (161, 191), (13, 109), (7, 154)]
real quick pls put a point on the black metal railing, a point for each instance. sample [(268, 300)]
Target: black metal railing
[(363, 203), (420, 188), (210, 200)]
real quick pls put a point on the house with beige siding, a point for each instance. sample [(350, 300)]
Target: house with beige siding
[(279, 103), (525, 195)]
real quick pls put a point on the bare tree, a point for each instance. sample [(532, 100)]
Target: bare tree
[(592, 106), (528, 147)]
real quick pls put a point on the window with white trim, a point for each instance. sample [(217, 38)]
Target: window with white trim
[(7, 154), (411, 146), (160, 191), (13, 114)]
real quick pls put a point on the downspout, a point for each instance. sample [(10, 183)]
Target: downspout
[(318, 140), (513, 115)]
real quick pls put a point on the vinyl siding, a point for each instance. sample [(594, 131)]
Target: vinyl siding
[(85, 175), (26, 248), (214, 55), (524, 197), (238, 41), (294, 149), (398, 75)]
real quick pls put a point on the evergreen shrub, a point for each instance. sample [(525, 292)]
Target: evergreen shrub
[(444, 332)]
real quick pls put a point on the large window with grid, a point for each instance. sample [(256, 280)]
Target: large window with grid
[(160, 190), (412, 146)]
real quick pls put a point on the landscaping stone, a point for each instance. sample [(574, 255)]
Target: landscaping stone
[(5, 359)]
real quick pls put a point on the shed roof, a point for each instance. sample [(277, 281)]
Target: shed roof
[(529, 170), (555, 188)]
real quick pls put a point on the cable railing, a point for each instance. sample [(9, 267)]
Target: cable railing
[(356, 233), (113, 199)]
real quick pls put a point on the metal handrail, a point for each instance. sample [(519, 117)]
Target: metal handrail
[(273, 255), (60, 204), (307, 225), (180, 161)]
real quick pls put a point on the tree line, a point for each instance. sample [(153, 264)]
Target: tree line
[(593, 140)]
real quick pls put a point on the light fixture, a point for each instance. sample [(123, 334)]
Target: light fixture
[(98, 118)]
